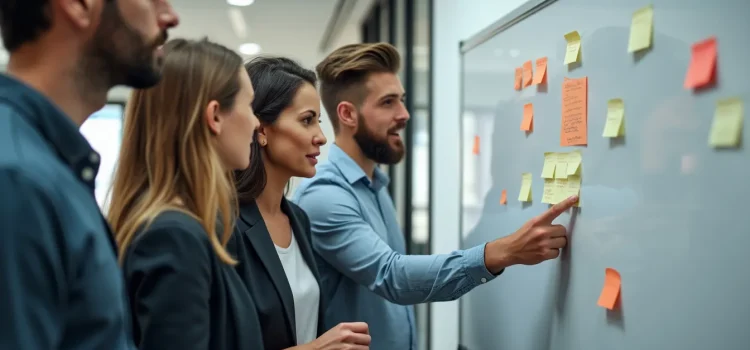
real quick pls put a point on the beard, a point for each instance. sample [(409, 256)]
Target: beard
[(120, 53), (378, 148)]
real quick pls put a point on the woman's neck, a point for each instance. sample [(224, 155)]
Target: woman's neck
[(269, 201)]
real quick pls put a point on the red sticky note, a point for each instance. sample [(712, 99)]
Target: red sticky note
[(611, 289), (475, 150), (540, 75), (702, 70), (527, 73), (528, 117), (504, 197), (519, 73)]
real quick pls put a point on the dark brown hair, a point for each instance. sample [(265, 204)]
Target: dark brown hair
[(343, 73)]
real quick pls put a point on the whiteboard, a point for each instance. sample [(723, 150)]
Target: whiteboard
[(666, 210)]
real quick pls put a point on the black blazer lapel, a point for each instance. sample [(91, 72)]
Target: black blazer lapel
[(260, 239)]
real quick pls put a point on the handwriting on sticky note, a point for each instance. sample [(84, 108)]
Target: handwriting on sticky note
[(611, 290), (573, 48), (548, 170), (519, 74), (641, 29), (702, 69), (572, 188), (475, 149), (525, 194), (528, 117), (574, 163), (726, 128), (561, 165), (614, 125), (527, 73), (540, 74), (574, 112), (504, 197), (548, 194)]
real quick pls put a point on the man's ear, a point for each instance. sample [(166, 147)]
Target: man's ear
[(347, 114), (212, 117), (83, 14)]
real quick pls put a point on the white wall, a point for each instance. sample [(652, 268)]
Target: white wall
[(453, 21)]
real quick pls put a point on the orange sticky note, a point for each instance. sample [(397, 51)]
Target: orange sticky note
[(528, 117), (475, 150), (702, 70), (504, 197), (611, 289), (574, 128), (519, 73), (527, 73), (540, 75)]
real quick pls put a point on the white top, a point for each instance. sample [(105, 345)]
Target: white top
[(305, 290)]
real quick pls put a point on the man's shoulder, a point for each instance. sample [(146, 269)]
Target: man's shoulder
[(327, 174)]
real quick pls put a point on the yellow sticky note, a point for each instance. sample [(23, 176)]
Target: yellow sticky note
[(614, 126), (641, 29), (574, 163), (548, 170), (573, 50), (726, 129), (548, 195), (573, 188), (561, 166), (525, 194), (559, 190)]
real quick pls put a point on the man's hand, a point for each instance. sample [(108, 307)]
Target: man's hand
[(536, 241)]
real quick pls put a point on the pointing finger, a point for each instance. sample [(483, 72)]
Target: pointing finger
[(552, 213)]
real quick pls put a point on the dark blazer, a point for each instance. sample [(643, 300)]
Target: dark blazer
[(182, 296), (261, 269)]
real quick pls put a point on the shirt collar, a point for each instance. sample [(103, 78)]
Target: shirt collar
[(353, 172), (53, 125)]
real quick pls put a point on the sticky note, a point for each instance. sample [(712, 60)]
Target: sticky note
[(475, 149), (572, 188), (641, 29), (702, 69), (611, 289), (573, 49), (561, 166), (574, 163), (504, 197), (574, 126), (614, 126), (548, 170), (525, 193), (726, 129), (518, 78), (527, 73), (528, 117), (548, 194), (540, 74)]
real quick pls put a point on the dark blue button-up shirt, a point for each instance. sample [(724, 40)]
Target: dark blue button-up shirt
[(60, 284)]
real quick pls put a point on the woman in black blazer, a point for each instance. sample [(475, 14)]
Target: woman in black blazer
[(272, 242), (172, 203)]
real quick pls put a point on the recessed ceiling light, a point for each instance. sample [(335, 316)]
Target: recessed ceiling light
[(250, 49), (240, 2)]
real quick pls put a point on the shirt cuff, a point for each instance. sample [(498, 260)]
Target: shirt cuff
[(475, 266)]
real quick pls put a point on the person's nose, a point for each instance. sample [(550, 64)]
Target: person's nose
[(403, 114), (319, 139), (168, 18)]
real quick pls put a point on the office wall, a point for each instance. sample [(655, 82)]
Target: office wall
[(453, 21)]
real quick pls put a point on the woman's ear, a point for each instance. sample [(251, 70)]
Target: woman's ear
[(212, 117), (262, 135)]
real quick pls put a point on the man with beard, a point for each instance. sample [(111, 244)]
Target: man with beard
[(366, 275), (61, 285)]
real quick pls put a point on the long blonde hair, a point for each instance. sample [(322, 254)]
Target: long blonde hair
[(168, 160)]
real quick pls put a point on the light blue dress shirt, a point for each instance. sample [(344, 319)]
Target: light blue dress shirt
[(366, 274)]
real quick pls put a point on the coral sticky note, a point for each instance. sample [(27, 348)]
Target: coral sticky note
[(527, 73), (519, 77), (641, 29), (548, 170), (726, 129), (475, 149), (525, 194), (573, 48), (702, 69), (527, 123), (504, 197), (611, 290), (540, 74), (574, 127), (614, 126)]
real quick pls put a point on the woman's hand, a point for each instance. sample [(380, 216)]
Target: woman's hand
[(345, 336)]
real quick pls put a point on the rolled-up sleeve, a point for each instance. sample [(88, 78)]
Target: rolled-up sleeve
[(32, 292), (346, 241)]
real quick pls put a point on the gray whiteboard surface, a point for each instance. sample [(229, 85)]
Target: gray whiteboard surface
[(670, 213)]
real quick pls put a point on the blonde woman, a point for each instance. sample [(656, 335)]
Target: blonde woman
[(173, 203)]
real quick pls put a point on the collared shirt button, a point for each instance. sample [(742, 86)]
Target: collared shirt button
[(484, 280), (94, 157), (87, 174)]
